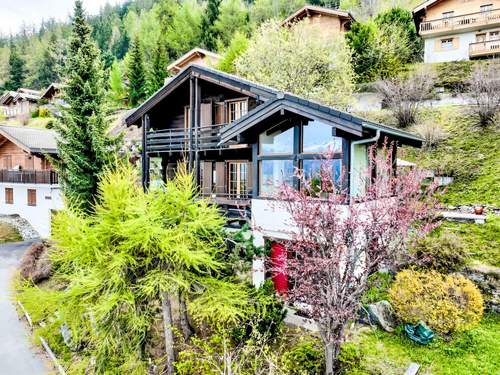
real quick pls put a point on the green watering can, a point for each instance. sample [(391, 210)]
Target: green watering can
[(419, 333)]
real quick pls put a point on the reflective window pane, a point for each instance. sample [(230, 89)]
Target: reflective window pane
[(318, 138), (273, 173), (312, 168), (277, 142)]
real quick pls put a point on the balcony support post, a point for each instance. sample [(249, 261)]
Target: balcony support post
[(192, 114), (145, 157), (197, 128)]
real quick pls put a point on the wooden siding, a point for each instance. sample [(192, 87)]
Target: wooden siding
[(460, 7), (12, 155)]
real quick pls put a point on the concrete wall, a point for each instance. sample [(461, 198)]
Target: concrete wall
[(48, 198), (460, 51)]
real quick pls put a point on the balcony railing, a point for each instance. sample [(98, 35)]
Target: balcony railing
[(29, 177), (466, 21), (205, 138), (488, 47)]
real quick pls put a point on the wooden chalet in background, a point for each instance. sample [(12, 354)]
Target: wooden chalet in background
[(329, 21), (242, 139)]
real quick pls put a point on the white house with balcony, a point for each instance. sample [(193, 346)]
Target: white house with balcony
[(456, 30), (29, 186)]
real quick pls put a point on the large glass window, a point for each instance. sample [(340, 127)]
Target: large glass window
[(276, 142), (273, 173), (312, 169), (318, 138)]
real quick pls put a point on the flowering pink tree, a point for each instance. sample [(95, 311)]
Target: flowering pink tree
[(338, 242)]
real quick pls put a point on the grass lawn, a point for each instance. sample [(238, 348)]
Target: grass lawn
[(473, 352), (8, 233)]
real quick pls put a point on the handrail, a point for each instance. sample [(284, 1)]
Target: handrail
[(492, 46), (461, 21), (29, 177)]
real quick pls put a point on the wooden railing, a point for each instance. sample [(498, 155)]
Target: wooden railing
[(205, 138), (29, 177), (465, 21), (488, 47)]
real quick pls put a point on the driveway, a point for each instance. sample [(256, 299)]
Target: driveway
[(17, 355)]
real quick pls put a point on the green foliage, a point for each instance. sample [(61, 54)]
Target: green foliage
[(84, 148), (208, 35), (466, 353), (236, 48), (233, 19), (117, 90), (361, 39), (444, 253), (17, 70), (48, 68), (301, 61), (446, 303), (8, 233), (158, 70), (136, 74), (305, 358), (263, 10), (378, 285), (453, 75), (350, 358)]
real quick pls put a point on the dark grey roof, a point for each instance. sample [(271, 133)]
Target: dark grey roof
[(274, 100), (41, 141)]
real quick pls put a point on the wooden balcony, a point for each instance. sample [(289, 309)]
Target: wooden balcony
[(205, 138), (29, 177), (464, 22), (486, 48)]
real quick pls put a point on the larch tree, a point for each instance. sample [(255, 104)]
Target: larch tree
[(17, 69), (82, 141), (135, 73), (336, 245), (208, 32)]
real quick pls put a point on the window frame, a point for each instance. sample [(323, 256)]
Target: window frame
[(31, 197), (10, 195), (448, 46), (239, 194), (486, 8), (243, 102)]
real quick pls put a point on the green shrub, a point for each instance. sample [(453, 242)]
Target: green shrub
[(350, 358), (35, 113), (43, 112), (378, 283), (305, 358), (453, 75), (446, 303), (444, 253)]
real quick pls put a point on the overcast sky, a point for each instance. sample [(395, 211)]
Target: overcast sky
[(14, 12)]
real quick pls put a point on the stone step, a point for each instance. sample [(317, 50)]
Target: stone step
[(463, 217)]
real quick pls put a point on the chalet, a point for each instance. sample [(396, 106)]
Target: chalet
[(455, 30), (20, 102), (28, 184), (243, 140), (51, 93), (328, 20), (196, 56)]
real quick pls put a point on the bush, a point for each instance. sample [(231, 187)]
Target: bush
[(43, 112), (453, 75), (446, 303), (350, 358), (445, 253), (432, 132), (378, 284), (305, 358)]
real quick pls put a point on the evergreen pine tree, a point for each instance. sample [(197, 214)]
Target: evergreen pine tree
[(17, 70), (158, 70), (135, 73), (82, 142), (208, 33), (46, 72)]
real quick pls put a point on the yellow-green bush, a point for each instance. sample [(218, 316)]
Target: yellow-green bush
[(446, 303)]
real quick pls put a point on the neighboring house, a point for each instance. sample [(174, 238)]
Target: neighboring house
[(329, 21), (455, 30), (20, 102), (51, 93), (243, 140), (28, 184), (196, 56)]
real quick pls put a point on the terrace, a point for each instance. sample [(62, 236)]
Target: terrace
[(29, 177), (463, 22)]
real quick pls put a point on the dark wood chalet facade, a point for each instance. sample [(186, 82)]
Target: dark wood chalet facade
[(243, 139)]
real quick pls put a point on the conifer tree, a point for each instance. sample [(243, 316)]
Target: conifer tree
[(135, 73), (47, 69), (82, 142), (17, 70), (208, 32), (158, 70)]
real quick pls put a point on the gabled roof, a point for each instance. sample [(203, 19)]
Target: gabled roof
[(29, 91), (425, 5), (35, 141), (182, 61), (49, 90), (307, 10), (274, 101), (7, 97), (21, 94)]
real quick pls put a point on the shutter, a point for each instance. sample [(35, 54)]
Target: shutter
[(249, 179), (206, 114), (220, 175), (207, 178)]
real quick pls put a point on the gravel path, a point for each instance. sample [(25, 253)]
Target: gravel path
[(17, 355)]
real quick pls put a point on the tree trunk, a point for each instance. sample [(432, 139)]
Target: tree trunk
[(332, 351), (169, 333), (185, 326)]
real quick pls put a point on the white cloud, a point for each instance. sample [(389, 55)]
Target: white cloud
[(14, 13)]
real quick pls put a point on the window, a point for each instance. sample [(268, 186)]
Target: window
[(238, 184), (273, 173), (480, 38), (276, 142), (31, 197), (237, 109), (319, 138), (447, 43), (9, 196), (312, 168), (494, 35), (448, 14), (486, 8)]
